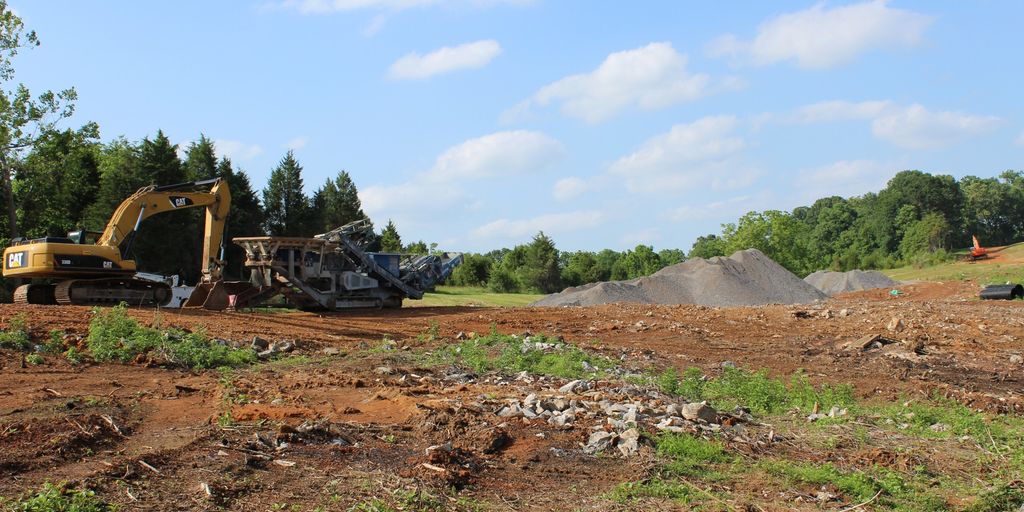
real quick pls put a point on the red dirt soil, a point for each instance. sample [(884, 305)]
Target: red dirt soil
[(151, 438)]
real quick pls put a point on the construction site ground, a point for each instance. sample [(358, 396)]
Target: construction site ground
[(344, 422)]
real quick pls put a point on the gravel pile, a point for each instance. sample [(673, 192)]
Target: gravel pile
[(832, 283), (747, 278)]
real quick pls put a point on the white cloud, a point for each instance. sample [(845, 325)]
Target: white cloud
[(235, 150), (505, 153), (569, 188), (713, 210), (916, 127), (473, 55), (297, 143), (411, 196), (689, 155), (844, 178), (838, 110), (821, 37), (555, 223), (501, 154), (649, 78), (912, 126), (644, 236)]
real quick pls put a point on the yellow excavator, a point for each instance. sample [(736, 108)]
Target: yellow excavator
[(91, 268)]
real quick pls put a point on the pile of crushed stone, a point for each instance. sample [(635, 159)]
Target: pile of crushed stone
[(747, 278), (832, 283)]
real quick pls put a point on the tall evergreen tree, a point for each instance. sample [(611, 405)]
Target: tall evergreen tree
[(390, 241), (286, 206), (245, 218), (200, 160), (155, 251), (337, 203)]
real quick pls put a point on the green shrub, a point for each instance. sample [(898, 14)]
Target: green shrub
[(16, 336), (654, 488), (58, 498), (114, 336)]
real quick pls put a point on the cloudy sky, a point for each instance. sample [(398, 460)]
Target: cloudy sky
[(477, 123)]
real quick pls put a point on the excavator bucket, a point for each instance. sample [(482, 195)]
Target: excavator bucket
[(209, 296)]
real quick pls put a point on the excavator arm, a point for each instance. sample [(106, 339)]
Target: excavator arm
[(123, 226)]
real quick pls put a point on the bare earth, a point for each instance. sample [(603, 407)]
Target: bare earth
[(150, 438)]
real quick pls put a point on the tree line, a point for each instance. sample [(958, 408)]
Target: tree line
[(917, 219)]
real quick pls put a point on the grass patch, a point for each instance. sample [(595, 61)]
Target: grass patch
[(689, 454), (755, 390), (16, 335), (57, 498), (536, 354), (114, 336), (985, 272), (656, 488), (893, 490), (473, 296)]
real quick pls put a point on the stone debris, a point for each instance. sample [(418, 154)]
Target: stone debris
[(896, 324), (619, 415)]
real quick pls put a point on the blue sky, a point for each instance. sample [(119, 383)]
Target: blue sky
[(477, 123)]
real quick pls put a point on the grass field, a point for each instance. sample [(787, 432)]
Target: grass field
[(470, 296), (1008, 265)]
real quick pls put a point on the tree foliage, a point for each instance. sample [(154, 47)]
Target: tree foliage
[(286, 206)]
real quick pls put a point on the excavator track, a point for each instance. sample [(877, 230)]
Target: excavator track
[(34, 294), (99, 292)]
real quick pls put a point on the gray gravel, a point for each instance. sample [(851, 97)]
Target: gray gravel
[(747, 278), (832, 283)]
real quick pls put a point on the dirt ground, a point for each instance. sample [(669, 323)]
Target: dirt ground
[(341, 423)]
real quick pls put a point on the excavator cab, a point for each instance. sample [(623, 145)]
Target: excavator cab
[(84, 237)]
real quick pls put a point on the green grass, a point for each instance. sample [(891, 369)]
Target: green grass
[(473, 296), (755, 390), (114, 336), (57, 498), (16, 335), (958, 270), (657, 488), (690, 455), (500, 352)]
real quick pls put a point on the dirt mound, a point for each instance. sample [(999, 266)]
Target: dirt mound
[(747, 278), (832, 283)]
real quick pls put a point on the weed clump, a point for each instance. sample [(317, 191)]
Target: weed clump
[(754, 390), (16, 336), (534, 354), (114, 336), (57, 498)]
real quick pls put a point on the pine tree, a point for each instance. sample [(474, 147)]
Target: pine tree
[(155, 251), (245, 218), (390, 241), (337, 203), (286, 207), (200, 160)]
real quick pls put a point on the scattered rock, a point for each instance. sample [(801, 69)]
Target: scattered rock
[(896, 324), (699, 411), (629, 442), (1016, 359), (599, 441), (260, 344), (331, 351)]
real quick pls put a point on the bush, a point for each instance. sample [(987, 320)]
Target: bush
[(513, 354), (16, 336), (114, 336)]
